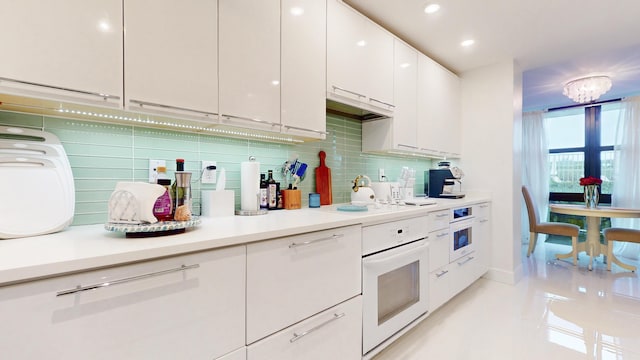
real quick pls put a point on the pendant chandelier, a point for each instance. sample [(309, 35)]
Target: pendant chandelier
[(587, 89)]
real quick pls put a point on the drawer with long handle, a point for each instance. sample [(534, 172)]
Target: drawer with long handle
[(292, 278), (332, 334), (183, 307)]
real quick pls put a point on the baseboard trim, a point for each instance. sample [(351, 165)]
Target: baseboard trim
[(503, 276)]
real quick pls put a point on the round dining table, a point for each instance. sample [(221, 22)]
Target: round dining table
[(593, 214)]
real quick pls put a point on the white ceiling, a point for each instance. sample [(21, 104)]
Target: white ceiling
[(552, 40)]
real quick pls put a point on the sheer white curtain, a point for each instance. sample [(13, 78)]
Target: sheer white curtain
[(535, 168), (626, 189)]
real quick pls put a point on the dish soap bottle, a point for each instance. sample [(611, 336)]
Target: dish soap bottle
[(163, 206)]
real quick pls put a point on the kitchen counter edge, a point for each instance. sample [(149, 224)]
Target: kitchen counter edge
[(87, 247)]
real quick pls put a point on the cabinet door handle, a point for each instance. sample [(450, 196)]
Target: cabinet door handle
[(297, 336), (169, 107), (305, 129), (81, 288), (383, 103), (443, 273), (258, 121), (332, 237), (430, 150), (347, 91), (442, 234), (442, 215), (83, 92), (409, 146), (484, 206), (466, 260), (484, 220)]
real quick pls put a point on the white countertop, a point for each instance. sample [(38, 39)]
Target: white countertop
[(86, 247)]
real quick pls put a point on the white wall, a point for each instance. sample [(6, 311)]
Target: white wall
[(491, 143)]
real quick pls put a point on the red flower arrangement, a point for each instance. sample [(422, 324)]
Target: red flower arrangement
[(590, 180)]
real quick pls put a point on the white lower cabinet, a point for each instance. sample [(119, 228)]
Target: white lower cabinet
[(465, 271), (447, 279), (482, 231), (292, 278), (439, 287), (333, 334), (439, 274), (183, 307)]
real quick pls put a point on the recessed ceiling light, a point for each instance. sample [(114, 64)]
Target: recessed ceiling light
[(467, 43), (361, 43), (296, 11), (431, 8)]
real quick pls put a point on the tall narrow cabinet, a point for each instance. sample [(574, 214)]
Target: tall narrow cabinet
[(303, 67), (171, 57), (249, 61)]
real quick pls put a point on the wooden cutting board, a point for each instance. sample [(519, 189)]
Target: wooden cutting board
[(323, 181)]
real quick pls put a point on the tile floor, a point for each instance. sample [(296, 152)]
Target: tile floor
[(557, 311)]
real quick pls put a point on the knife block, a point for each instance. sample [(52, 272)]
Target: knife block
[(292, 199)]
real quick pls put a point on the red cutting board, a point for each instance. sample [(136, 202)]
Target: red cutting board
[(323, 181)]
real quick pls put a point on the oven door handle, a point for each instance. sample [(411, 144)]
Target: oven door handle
[(413, 250)]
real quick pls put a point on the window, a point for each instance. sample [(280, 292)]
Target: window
[(581, 144)]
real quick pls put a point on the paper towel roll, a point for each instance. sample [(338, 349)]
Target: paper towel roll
[(249, 185)]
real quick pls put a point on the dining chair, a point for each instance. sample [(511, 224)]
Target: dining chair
[(550, 228), (620, 234)]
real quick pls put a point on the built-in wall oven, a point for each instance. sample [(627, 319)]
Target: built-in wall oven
[(395, 275), (461, 233)]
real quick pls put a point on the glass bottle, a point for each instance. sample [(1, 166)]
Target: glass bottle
[(272, 190), (264, 192), (181, 188)]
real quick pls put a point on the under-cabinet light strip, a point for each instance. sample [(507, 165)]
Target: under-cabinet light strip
[(181, 126)]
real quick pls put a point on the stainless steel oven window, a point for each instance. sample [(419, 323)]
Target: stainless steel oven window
[(398, 290)]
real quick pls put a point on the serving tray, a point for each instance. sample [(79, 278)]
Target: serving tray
[(157, 229)]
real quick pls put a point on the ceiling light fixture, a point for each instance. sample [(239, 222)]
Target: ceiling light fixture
[(467, 43), (587, 89), (432, 8)]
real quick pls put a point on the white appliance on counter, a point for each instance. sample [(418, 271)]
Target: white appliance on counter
[(395, 277), (386, 191), (37, 182)]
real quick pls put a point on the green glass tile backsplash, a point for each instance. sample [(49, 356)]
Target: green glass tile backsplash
[(102, 154)]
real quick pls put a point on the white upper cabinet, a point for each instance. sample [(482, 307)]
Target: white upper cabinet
[(171, 57), (405, 90), (438, 109), (397, 133), (249, 63), (359, 60), (303, 67), (63, 50)]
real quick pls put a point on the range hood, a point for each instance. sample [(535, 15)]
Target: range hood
[(348, 107)]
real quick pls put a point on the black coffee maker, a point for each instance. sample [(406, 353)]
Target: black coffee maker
[(435, 181)]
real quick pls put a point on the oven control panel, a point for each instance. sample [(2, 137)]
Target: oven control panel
[(384, 236)]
